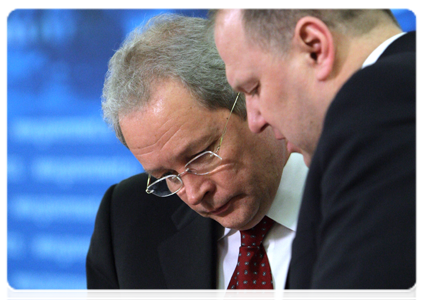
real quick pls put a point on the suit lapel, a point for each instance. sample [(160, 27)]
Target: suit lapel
[(188, 258)]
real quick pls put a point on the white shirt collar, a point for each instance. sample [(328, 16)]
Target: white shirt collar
[(373, 57), (284, 209)]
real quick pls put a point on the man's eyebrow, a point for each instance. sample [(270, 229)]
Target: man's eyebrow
[(245, 85), (240, 88), (237, 85), (189, 149), (151, 172)]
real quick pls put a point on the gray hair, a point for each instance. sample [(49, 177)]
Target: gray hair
[(172, 47), (274, 28)]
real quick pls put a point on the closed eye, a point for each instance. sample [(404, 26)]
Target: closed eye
[(254, 91), (171, 172), (209, 148), (165, 174)]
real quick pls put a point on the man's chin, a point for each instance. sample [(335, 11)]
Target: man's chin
[(307, 160), (236, 223), (292, 148), (230, 223)]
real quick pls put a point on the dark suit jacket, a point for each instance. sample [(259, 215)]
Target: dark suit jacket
[(357, 221), (141, 241)]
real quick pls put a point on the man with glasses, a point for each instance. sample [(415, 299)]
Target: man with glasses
[(167, 97)]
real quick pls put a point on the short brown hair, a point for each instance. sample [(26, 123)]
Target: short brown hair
[(275, 27)]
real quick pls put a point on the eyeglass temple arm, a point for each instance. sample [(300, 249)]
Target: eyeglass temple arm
[(148, 183), (224, 130)]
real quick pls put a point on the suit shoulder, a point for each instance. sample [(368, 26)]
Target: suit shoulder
[(129, 186), (375, 94), (394, 73), (129, 197)]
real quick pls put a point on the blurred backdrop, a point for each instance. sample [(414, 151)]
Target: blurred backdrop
[(61, 156)]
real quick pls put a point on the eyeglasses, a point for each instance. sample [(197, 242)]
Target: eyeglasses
[(202, 164)]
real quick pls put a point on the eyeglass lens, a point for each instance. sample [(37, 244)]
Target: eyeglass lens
[(203, 164)]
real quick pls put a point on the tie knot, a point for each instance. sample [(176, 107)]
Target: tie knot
[(254, 237)]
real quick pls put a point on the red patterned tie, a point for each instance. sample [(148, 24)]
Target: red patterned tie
[(253, 269)]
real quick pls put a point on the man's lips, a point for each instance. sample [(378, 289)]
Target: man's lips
[(292, 148), (225, 207), (221, 209)]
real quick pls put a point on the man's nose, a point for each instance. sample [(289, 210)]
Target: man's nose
[(196, 188), (256, 122)]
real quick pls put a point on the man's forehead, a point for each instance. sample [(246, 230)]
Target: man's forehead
[(227, 28), (173, 136), (227, 16), (230, 42)]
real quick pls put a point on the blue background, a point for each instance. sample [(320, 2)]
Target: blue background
[(61, 156)]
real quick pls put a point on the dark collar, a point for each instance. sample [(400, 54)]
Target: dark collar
[(405, 43)]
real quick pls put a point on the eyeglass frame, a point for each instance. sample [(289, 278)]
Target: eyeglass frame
[(179, 176)]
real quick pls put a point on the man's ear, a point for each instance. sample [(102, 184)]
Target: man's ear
[(314, 38)]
